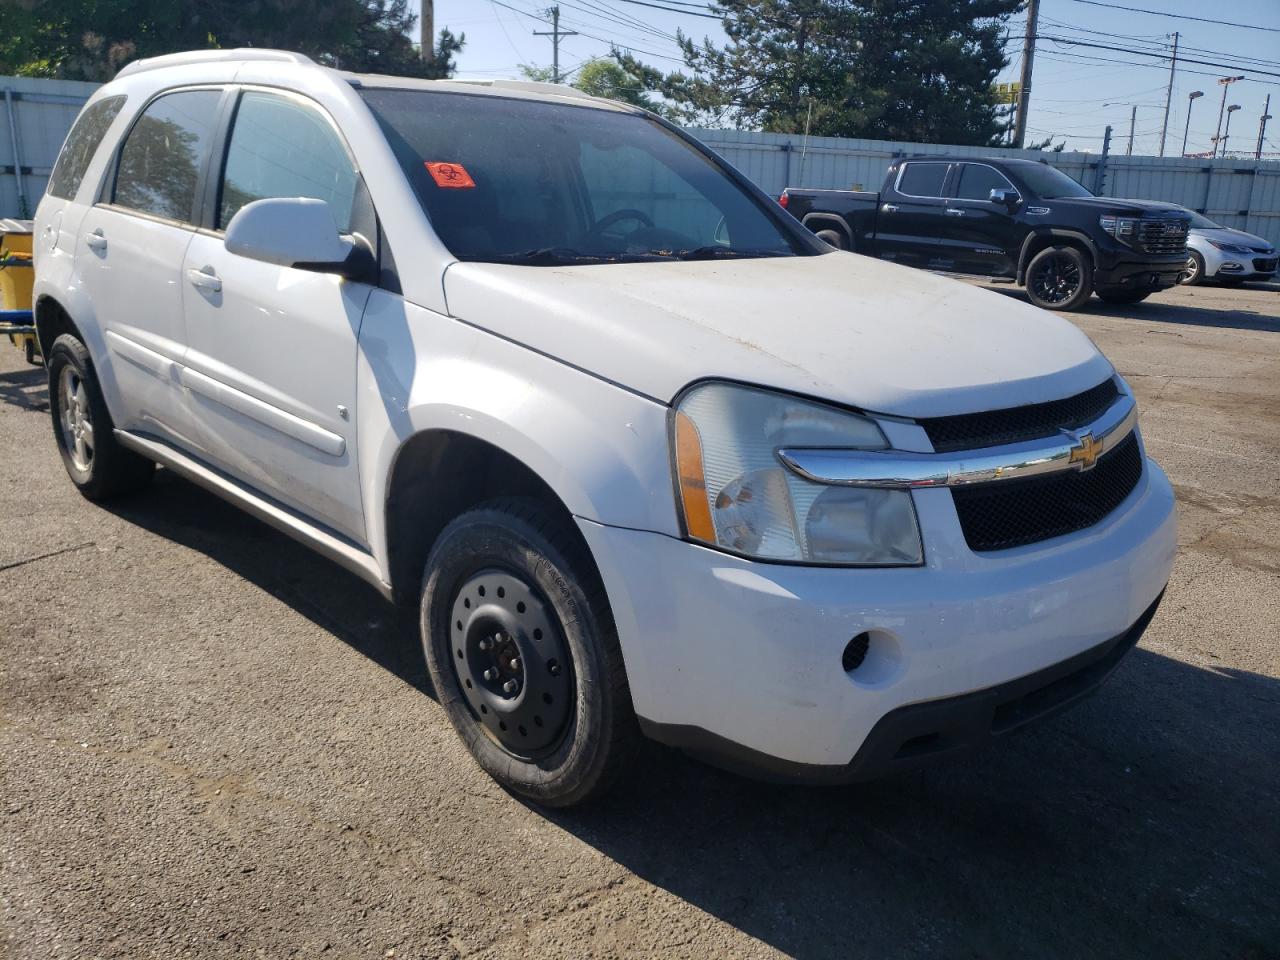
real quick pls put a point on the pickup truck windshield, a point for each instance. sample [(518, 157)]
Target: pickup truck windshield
[(1049, 183), (508, 180)]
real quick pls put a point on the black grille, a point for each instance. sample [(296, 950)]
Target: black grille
[(1163, 236), (991, 428), (1265, 266), (996, 516)]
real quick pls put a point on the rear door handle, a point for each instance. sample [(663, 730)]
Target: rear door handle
[(95, 240), (954, 212), (205, 279), (889, 208)]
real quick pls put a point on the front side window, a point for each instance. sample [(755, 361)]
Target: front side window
[(281, 147), (82, 143), (922, 179), (977, 180), (539, 183), (1049, 183), (162, 155)]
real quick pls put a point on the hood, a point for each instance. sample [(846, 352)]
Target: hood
[(1228, 235), (841, 327), (1120, 205)]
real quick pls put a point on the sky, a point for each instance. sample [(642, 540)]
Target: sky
[(1076, 90)]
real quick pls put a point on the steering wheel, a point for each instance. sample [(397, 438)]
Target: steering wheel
[(618, 216)]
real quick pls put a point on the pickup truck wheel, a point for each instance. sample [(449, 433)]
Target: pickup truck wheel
[(523, 653), (833, 237), (1193, 272), (1124, 296), (1059, 278), (98, 466)]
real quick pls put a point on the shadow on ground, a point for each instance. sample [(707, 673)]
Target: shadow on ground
[(1155, 310), (1141, 823), (27, 388)]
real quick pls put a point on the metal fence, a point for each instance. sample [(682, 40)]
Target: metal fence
[(1238, 193)]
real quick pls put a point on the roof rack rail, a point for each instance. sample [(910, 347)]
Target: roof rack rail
[(212, 56), (532, 86)]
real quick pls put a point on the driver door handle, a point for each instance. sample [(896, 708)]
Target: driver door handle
[(954, 212), (205, 279), (95, 241)]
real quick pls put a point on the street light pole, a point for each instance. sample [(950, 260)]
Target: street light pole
[(1227, 130), (1262, 127), (1225, 83), (1191, 99)]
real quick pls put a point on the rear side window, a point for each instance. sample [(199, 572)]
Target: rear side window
[(81, 144), (283, 148), (922, 179), (162, 155), (978, 180)]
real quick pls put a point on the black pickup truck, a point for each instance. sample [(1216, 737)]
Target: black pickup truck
[(1022, 221)]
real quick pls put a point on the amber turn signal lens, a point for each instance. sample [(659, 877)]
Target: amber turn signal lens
[(693, 485)]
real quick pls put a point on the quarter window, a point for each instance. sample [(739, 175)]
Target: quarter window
[(978, 180), (161, 159), (922, 179), (282, 148), (82, 143)]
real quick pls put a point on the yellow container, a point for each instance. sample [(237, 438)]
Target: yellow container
[(16, 275)]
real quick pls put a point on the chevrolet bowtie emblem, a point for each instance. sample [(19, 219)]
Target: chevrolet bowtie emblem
[(1086, 452)]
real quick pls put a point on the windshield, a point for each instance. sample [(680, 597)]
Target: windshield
[(1048, 183), (524, 181), (1199, 222)]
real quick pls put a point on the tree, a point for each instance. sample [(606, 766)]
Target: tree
[(92, 39), (602, 78), (889, 69)]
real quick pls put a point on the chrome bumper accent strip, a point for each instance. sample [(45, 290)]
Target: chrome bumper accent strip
[(897, 469)]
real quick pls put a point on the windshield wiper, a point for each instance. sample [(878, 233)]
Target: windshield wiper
[(717, 252), (561, 256)]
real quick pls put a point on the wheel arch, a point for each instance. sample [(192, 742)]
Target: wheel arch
[(824, 221), (1043, 239)]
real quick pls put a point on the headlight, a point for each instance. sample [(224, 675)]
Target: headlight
[(1122, 228), (1229, 247), (735, 494)]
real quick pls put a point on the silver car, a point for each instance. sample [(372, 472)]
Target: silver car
[(1229, 256)]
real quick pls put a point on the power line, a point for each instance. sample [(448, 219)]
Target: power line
[(1159, 56), (1178, 16), (658, 6)]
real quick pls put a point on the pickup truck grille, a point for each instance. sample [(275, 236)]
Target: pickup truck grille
[(991, 428), (1163, 237), (997, 516)]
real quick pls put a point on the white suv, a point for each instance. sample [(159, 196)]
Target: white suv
[(650, 456)]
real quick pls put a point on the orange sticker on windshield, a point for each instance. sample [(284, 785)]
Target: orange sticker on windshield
[(451, 176)]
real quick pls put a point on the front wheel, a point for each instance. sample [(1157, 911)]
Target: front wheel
[(1059, 278), (523, 653), (1124, 296), (1193, 272)]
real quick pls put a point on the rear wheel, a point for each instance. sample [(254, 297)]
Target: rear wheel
[(1124, 296), (1059, 278), (97, 464), (833, 237), (1193, 272), (523, 653)]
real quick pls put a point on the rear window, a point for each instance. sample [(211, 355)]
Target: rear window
[(525, 181), (80, 146), (922, 179), (162, 155)]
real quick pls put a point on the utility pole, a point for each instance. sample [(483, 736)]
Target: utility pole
[(1262, 127), (1225, 82), (555, 33), (1024, 85), (1133, 119), (1168, 96), (1100, 182), (427, 28)]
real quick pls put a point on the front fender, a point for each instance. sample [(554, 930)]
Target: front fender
[(600, 447), (1033, 238)]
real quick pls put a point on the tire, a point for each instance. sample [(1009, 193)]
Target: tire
[(96, 463), (833, 237), (1059, 278), (509, 571), (1194, 271), (1124, 296)]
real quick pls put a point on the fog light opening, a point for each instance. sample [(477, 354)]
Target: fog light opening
[(855, 652)]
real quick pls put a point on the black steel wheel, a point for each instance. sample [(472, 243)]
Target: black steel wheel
[(511, 662), (1059, 278), (523, 653)]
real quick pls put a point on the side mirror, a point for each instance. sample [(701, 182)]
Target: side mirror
[(297, 232), (1009, 198)]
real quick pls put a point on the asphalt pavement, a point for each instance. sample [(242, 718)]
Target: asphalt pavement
[(214, 743)]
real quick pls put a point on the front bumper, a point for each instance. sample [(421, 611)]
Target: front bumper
[(1152, 274), (745, 657), (1243, 266)]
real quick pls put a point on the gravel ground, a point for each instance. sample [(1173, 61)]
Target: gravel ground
[(215, 744)]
